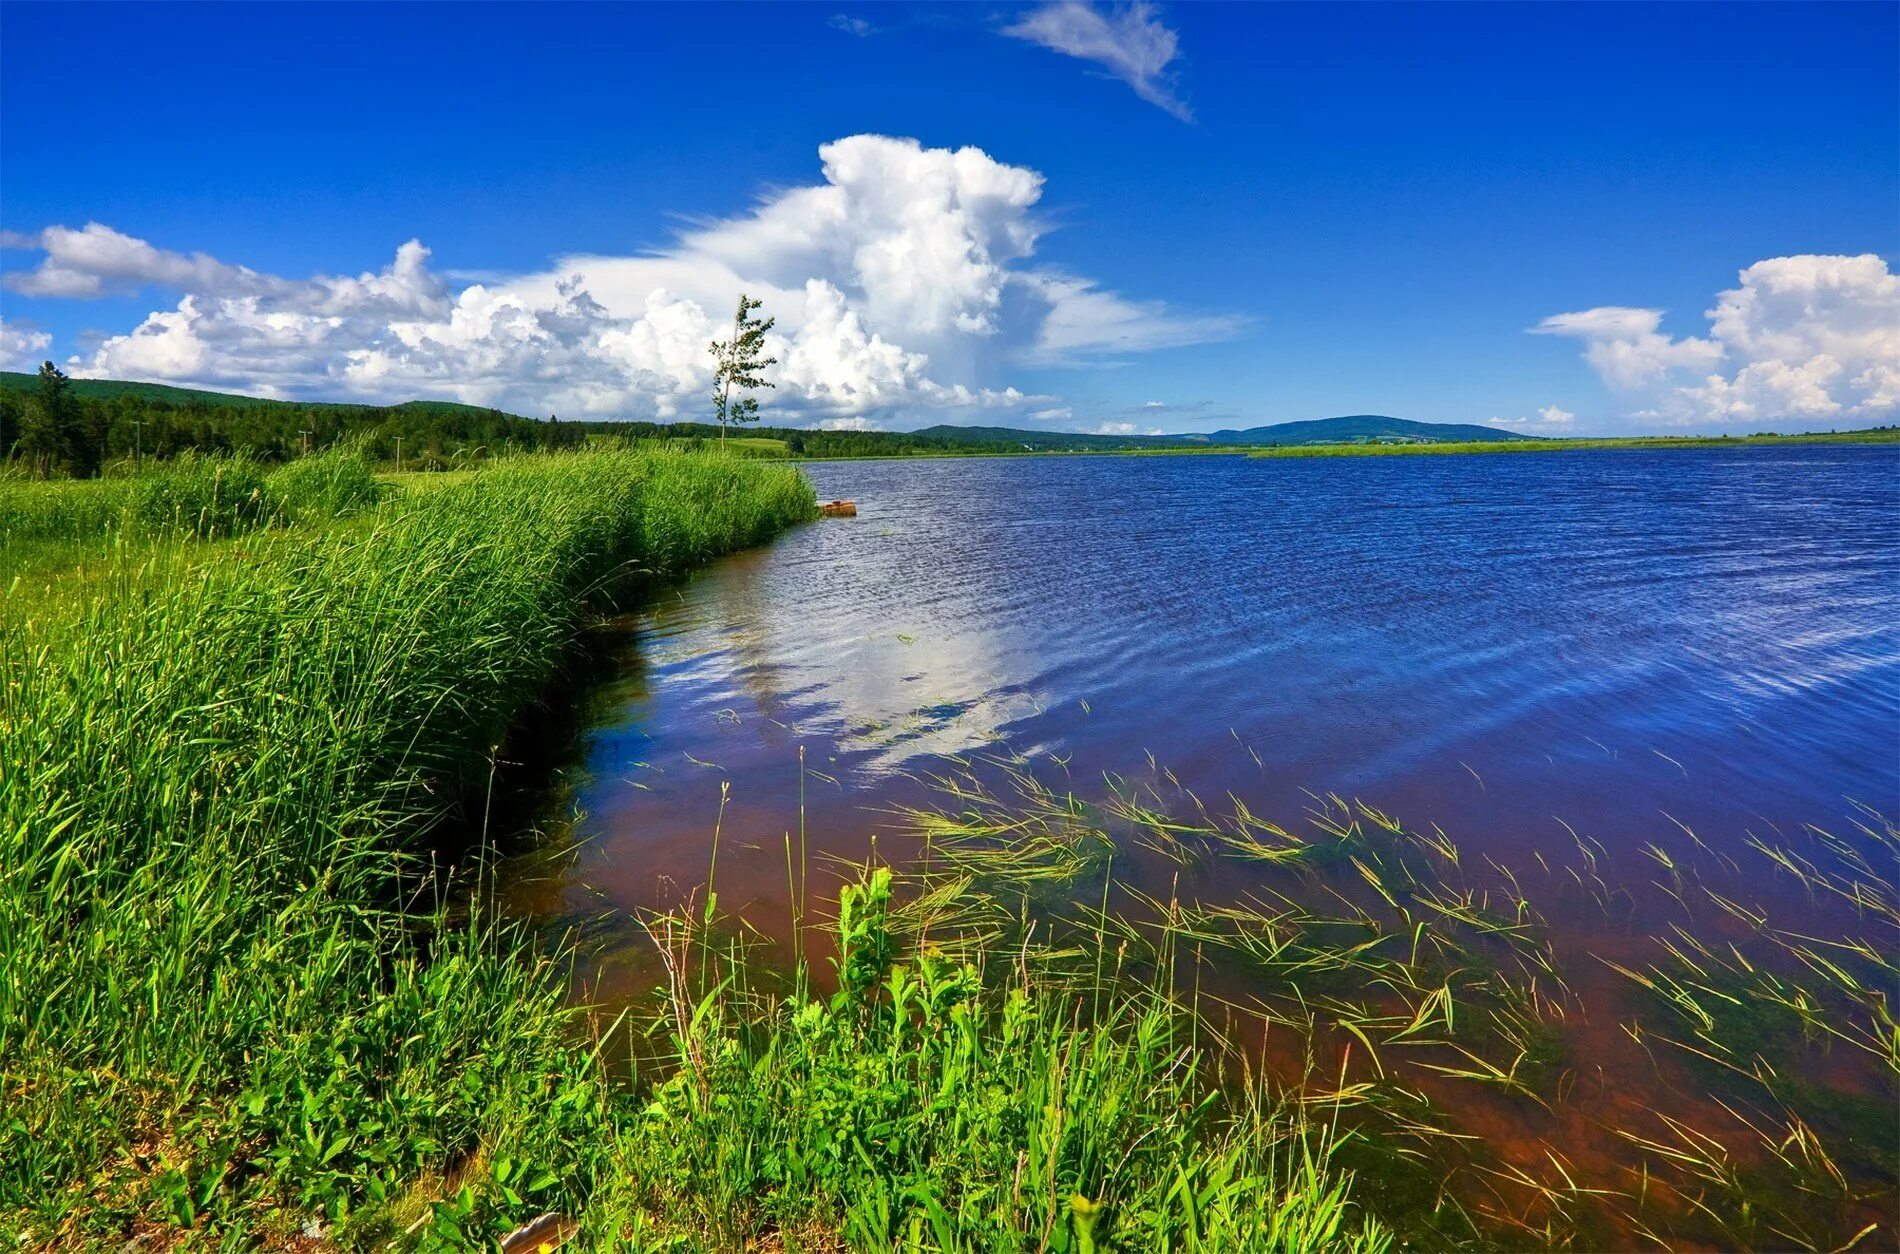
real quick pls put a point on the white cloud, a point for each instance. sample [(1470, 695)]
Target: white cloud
[(1058, 414), (1124, 428), (837, 364), (1880, 385), (897, 281), (1803, 337), (1550, 418), (1627, 346), (1085, 322), (22, 348), (95, 260), (1129, 41), (99, 261), (851, 25), (859, 423)]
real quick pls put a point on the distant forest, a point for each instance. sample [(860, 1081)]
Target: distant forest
[(51, 425)]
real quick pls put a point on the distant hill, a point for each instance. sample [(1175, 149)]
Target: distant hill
[(1048, 441), (110, 389), (1349, 429), (1357, 428)]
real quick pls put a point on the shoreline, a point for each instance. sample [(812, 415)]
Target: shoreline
[(1886, 436), (1878, 438)]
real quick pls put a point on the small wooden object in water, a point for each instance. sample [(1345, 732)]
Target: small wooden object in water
[(838, 509)]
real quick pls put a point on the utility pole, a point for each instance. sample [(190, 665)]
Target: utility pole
[(306, 441), (398, 454)]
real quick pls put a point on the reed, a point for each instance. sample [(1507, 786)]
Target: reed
[(233, 996), (933, 1102)]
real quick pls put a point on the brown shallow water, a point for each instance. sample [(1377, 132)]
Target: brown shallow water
[(1541, 656)]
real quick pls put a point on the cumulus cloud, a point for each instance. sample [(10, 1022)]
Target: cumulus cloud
[(1804, 337), (899, 282), (1129, 42), (1548, 419), (96, 260), (1124, 428), (22, 348), (1627, 346)]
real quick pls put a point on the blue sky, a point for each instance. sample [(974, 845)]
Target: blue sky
[(1175, 217)]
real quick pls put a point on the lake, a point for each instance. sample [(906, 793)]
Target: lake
[(1617, 640), (1677, 651)]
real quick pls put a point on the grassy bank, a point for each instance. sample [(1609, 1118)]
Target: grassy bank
[(1883, 435), (249, 724), (229, 994)]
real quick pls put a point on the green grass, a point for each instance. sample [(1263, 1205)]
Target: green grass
[(231, 993), (933, 1102), (1879, 435), (735, 445), (62, 522)]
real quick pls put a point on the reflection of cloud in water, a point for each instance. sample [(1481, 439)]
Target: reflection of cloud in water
[(887, 678)]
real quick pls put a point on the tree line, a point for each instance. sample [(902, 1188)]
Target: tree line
[(52, 426)]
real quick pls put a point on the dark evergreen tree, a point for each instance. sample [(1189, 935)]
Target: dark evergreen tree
[(47, 434)]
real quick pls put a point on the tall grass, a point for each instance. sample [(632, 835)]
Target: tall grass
[(61, 509), (229, 994), (953, 1104), (193, 496)]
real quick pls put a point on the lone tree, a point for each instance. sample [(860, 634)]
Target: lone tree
[(738, 363)]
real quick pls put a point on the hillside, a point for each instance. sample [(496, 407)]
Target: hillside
[(1348, 429), (1354, 428), (1047, 441), (112, 389)]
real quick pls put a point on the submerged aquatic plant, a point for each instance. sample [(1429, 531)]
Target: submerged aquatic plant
[(1399, 971)]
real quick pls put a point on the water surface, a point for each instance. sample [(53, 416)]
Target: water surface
[(1618, 641)]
